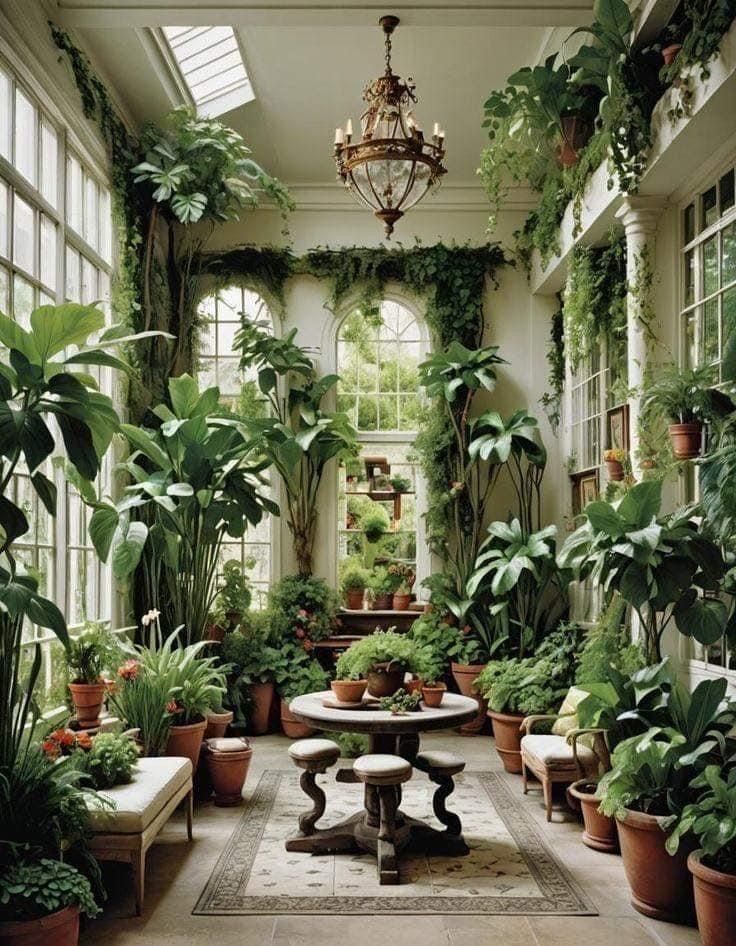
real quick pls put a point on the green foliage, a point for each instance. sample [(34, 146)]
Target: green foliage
[(551, 400), (379, 647), (401, 702), (197, 481), (711, 818), (434, 639), (140, 699), (354, 578), (89, 653), (375, 523), (528, 685), (249, 657), (352, 744), (402, 484), (657, 565), (303, 610), (29, 891), (110, 761), (683, 395), (608, 644), (307, 676), (235, 592)]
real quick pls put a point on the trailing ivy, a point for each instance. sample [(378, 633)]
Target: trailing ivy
[(551, 400)]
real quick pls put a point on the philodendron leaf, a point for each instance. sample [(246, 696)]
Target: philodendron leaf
[(704, 619)]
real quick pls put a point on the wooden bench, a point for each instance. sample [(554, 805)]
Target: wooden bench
[(142, 808)]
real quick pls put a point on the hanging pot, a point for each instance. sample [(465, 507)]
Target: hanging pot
[(574, 137), (385, 679), (686, 440)]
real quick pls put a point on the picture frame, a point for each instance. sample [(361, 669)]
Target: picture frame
[(585, 488), (617, 423)]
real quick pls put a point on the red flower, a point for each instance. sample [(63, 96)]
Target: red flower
[(63, 737), (129, 670), (173, 708), (467, 629), (84, 740), (51, 748)]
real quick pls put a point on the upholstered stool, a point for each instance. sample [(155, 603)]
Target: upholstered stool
[(441, 767), (314, 756), (384, 775)]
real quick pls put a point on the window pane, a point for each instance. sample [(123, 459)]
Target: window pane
[(49, 169), (710, 207), (24, 249), (726, 191), (48, 252), (710, 332), (690, 277), (89, 282), (689, 223), (4, 218), (6, 110), (23, 303), (710, 265), (74, 193), (105, 225), (4, 291), (729, 316), (91, 211), (25, 136), (728, 260), (73, 284)]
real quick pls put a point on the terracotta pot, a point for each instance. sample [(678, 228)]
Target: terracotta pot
[(575, 133), (385, 679), (715, 903), (354, 600), (186, 741), (661, 886), (56, 929), (217, 724), (465, 676), (228, 772), (293, 728), (600, 831), (383, 602), (401, 602), (669, 53), (615, 470), (88, 699), (686, 440), (648, 464), (414, 685), (433, 695), (216, 633), (261, 695), (507, 734), (349, 691)]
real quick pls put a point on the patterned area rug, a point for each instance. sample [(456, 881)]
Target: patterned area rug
[(510, 868)]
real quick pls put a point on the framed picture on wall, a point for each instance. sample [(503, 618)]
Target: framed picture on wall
[(618, 427), (585, 488)]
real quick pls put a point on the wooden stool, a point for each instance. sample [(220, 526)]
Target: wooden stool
[(441, 767), (314, 756), (384, 774)]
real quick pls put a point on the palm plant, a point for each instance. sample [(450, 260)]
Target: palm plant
[(197, 481), (299, 437)]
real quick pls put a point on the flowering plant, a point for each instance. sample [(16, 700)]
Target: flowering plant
[(62, 742), (303, 611), (614, 455), (403, 574)]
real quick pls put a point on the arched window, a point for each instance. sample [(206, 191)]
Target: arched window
[(378, 356), (219, 364)]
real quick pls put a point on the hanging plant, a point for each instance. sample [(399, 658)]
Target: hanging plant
[(551, 400)]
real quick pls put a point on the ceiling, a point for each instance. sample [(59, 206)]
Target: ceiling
[(309, 64)]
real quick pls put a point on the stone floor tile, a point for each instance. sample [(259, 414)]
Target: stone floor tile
[(590, 930)]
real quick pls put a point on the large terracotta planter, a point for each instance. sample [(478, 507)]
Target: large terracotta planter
[(261, 695), (600, 832), (465, 676), (661, 886), (293, 728), (385, 679), (217, 724), (686, 440), (715, 903), (507, 735), (354, 600), (348, 691), (186, 741), (228, 771), (88, 699), (56, 929)]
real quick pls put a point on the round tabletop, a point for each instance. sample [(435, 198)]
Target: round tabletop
[(454, 711)]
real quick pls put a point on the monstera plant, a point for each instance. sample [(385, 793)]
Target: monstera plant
[(663, 567), (197, 481), (298, 436)]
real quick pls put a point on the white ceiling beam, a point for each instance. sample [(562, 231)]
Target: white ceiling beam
[(432, 13)]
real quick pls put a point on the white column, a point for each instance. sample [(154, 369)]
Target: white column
[(639, 216)]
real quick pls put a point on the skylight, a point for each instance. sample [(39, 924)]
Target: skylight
[(211, 65)]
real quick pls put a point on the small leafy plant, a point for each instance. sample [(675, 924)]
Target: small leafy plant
[(377, 648), (110, 760), (90, 653), (354, 578), (400, 484), (32, 890), (401, 702), (306, 677), (683, 395), (375, 523), (711, 818), (139, 697), (235, 593)]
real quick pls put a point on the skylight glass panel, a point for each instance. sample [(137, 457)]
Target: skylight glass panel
[(211, 65)]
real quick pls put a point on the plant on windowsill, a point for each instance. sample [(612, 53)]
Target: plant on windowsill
[(685, 397), (88, 654), (614, 458), (353, 583), (382, 584), (400, 484)]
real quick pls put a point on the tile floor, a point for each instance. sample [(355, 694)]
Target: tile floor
[(177, 872)]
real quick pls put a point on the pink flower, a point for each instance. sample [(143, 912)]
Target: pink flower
[(300, 633), (129, 670)]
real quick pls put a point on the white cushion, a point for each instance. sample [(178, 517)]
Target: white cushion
[(440, 759), (555, 752), (227, 744), (382, 769), (314, 750), (155, 782)]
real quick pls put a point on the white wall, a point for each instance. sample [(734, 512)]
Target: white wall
[(514, 319)]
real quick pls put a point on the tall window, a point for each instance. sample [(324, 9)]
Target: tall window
[(585, 420), (219, 364), (378, 358), (709, 273), (55, 245)]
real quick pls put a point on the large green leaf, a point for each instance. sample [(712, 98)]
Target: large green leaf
[(702, 618), (127, 553), (641, 503), (184, 393), (604, 518), (57, 327), (102, 525), (14, 337), (26, 431)]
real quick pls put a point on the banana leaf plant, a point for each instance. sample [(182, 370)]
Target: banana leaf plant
[(298, 437), (197, 480), (665, 568), (48, 403), (520, 594)]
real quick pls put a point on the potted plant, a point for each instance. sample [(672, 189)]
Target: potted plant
[(375, 523), (305, 676), (600, 831), (228, 761), (383, 585), (650, 780), (87, 656), (234, 595), (383, 658), (684, 396), (402, 597), (614, 459), (45, 900), (711, 819), (353, 582), (109, 760), (218, 719), (139, 698), (252, 664), (468, 658), (399, 483)]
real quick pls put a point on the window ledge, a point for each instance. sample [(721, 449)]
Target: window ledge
[(679, 149)]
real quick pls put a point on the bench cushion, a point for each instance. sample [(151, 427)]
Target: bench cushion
[(555, 753), (154, 784)]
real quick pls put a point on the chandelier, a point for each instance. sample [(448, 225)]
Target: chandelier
[(392, 166)]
